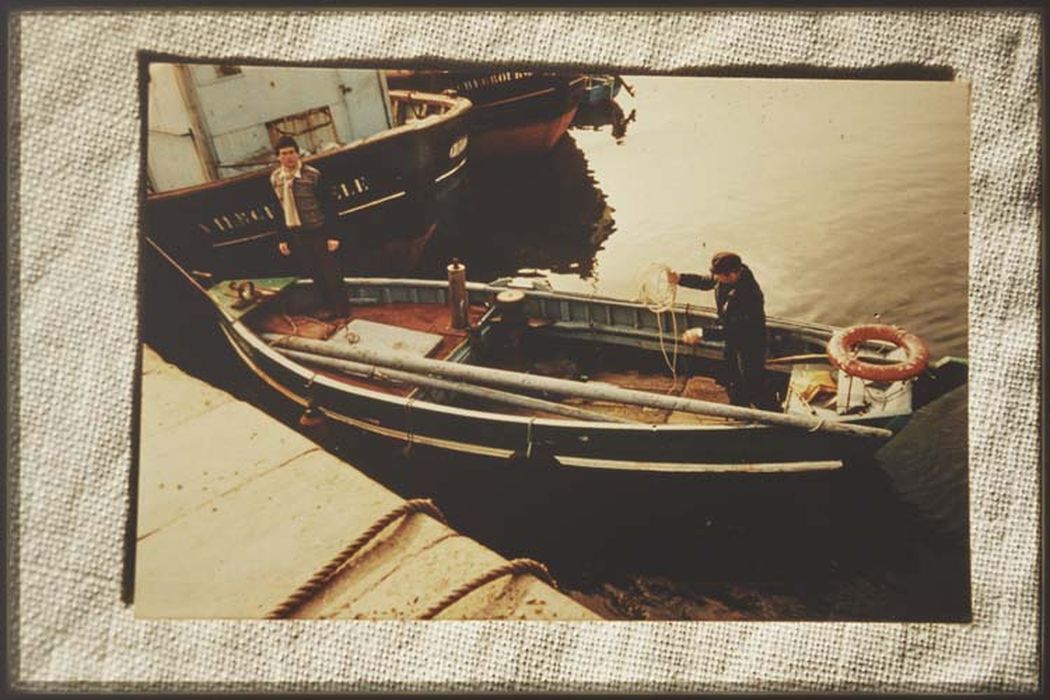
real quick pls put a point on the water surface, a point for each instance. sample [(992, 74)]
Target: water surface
[(849, 201)]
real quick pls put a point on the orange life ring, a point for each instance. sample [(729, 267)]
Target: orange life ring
[(841, 352)]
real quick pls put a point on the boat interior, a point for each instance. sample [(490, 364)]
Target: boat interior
[(540, 340)]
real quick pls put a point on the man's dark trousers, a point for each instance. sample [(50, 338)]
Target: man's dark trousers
[(310, 249), (745, 367)]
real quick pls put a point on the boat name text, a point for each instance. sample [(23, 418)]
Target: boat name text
[(494, 79), (265, 213)]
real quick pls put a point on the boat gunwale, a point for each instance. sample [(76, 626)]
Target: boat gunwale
[(780, 323)]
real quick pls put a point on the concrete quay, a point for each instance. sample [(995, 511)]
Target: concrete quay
[(237, 511)]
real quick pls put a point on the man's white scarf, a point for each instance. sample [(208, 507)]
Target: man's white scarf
[(286, 193)]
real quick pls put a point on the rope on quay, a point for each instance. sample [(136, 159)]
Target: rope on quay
[(305, 591), (514, 567)]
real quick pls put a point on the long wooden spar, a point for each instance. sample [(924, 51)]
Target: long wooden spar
[(568, 387)]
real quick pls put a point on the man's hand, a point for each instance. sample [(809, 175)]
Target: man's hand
[(333, 245), (672, 277), (693, 336), (283, 248)]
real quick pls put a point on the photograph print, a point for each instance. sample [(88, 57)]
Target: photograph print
[(503, 343)]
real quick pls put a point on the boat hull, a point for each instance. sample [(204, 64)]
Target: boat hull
[(524, 139), (514, 114), (687, 448), (389, 191), (742, 449)]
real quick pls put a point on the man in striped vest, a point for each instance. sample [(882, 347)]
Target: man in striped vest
[(306, 209)]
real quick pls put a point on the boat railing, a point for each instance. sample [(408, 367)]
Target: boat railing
[(411, 106)]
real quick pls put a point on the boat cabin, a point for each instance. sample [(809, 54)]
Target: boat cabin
[(215, 121)]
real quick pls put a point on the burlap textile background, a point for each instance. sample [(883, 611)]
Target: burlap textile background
[(75, 162)]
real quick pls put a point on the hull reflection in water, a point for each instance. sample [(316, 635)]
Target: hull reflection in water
[(609, 113), (541, 214)]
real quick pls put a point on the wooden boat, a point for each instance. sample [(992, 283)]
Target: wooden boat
[(584, 380), (515, 113), (391, 190)]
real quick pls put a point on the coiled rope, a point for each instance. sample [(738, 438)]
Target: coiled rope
[(514, 567), (305, 591), (659, 294)]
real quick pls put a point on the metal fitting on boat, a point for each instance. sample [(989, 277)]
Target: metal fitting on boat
[(457, 293), (513, 322), (511, 304), (313, 421)]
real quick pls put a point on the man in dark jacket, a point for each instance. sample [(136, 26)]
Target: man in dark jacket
[(741, 311), (306, 209)]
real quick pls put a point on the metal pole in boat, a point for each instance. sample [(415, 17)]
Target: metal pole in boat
[(567, 387), (494, 395), (457, 293)]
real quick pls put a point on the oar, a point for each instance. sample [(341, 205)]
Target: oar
[(568, 387), (495, 395)]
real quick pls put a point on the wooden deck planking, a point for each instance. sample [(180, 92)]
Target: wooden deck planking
[(428, 318)]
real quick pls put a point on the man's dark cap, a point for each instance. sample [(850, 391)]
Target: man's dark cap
[(724, 263)]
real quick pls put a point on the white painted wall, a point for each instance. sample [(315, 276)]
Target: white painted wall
[(235, 108), (172, 158)]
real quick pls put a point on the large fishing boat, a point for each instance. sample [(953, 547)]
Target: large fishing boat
[(591, 382), (515, 112), (393, 170)]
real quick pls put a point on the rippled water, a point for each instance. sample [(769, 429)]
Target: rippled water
[(848, 200)]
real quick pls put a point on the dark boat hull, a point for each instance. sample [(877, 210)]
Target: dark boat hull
[(390, 192), (514, 113), (689, 448), (523, 139)]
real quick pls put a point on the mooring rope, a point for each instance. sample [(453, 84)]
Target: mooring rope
[(514, 567), (659, 295), (315, 582)]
